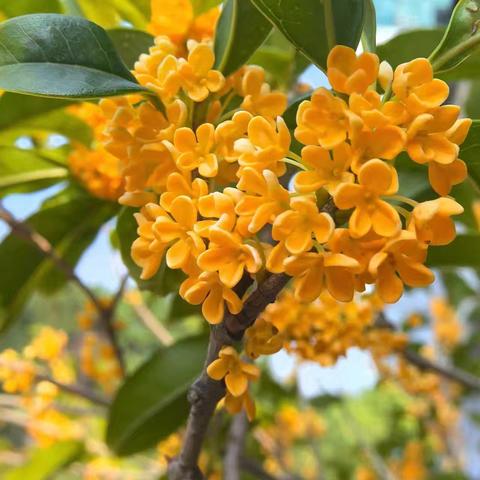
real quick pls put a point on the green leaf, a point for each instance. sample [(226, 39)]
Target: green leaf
[(66, 221), (130, 44), (15, 8), (46, 462), (241, 29), (59, 56), (314, 27), (202, 6), (152, 403), (470, 152), (369, 35), (462, 252), (24, 170), (409, 45), (461, 37)]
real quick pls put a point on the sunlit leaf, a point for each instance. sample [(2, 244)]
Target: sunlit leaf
[(60, 56)]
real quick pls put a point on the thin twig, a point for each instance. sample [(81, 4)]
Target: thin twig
[(151, 322), (255, 469), (447, 371), (235, 446), (24, 231), (77, 390)]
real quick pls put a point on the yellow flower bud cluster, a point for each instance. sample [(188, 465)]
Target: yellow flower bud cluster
[(98, 360), (447, 327)]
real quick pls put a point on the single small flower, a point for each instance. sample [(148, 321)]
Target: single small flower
[(264, 199), (431, 221), (348, 73), (322, 120), (228, 256), (312, 271), (228, 132), (325, 169), (376, 179), (234, 405), (178, 232), (178, 184), (194, 150), (197, 76), (208, 290), (413, 83), (262, 338), (400, 261), (258, 99), (236, 372), (298, 226)]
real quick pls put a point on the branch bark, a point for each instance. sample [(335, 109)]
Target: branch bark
[(235, 446), (205, 393), (447, 371), (42, 244)]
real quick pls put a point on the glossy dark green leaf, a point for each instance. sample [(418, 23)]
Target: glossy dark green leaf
[(241, 29), (59, 56), (152, 403), (130, 44), (46, 462), (202, 6), (464, 251), (369, 35), (461, 38), (15, 8), (66, 221), (314, 27), (409, 45), (25, 170), (470, 152)]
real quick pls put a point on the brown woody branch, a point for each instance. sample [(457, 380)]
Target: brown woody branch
[(447, 371), (235, 447), (205, 393), (25, 232)]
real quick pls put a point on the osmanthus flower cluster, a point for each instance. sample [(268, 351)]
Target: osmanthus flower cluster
[(98, 360), (95, 168), (205, 161), (21, 374)]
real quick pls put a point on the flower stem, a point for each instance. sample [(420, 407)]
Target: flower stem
[(294, 163), (401, 198)]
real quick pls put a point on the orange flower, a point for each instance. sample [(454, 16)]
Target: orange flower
[(258, 99), (296, 226), (228, 365), (228, 132), (267, 145), (262, 338), (431, 221), (228, 256), (194, 150), (413, 83), (322, 120), (147, 251), (264, 200), (443, 177), (178, 184), (427, 139), (180, 230), (348, 73), (376, 178), (399, 262), (312, 271), (234, 405), (196, 74), (216, 205), (208, 290), (325, 170)]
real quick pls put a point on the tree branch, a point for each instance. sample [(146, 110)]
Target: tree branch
[(42, 244), (235, 446), (452, 373), (205, 393), (253, 468)]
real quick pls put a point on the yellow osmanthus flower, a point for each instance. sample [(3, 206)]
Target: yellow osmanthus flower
[(446, 325), (303, 224), (208, 290), (236, 372), (47, 345), (262, 338), (16, 374), (400, 261), (376, 179)]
